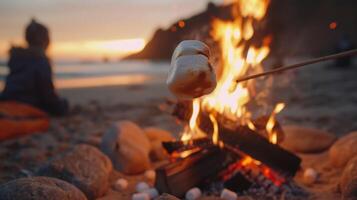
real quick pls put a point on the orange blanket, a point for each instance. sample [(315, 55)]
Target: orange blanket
[(18, 119)]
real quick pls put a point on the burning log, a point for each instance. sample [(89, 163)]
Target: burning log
[(243, 139), (179, 146), (262, 150), (182, 111), (178, 177)]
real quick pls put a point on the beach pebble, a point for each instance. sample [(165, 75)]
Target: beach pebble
[(152, 192), (156, 137), (310, 176), (141, 186), (191, 74), (83, 166), (343, 150), (193, 193), (150, 175), (121, 184), (40, 188), (306, 140), (127, 146), (140, 196), (228, 195), (348, 180)]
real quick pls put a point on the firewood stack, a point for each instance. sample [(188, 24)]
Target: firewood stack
[(246, 160)]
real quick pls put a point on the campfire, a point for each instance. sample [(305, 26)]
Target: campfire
[(221, 143)]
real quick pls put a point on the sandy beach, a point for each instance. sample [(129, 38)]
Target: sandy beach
[(312, 101)]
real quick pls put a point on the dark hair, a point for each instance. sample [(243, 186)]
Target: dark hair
[(37, 34)]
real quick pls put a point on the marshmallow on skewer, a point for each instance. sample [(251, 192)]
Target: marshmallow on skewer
[(191, 74), (190, 47)]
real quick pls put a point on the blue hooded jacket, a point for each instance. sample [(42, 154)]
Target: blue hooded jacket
[(30, 81)]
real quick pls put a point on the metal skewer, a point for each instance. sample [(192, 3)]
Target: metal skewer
[(302, 64)]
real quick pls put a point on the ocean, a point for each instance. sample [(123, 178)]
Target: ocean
[(94, 74)]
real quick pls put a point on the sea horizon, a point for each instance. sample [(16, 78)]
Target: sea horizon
[(78, 74)]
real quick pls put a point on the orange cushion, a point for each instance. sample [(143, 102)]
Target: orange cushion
[(18, 119)]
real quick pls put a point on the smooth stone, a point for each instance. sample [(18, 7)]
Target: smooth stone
[(348, 181), (306, 140), (156, 137), (83, 166), (128, 147), (40, 188), (343, 150)]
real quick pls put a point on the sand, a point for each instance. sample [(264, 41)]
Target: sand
[(319, 97)]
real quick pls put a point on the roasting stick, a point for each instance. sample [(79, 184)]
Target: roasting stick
[(302, 64)]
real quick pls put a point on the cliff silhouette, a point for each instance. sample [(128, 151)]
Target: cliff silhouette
[(298, 28)]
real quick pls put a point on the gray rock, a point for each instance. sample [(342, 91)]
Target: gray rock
[(343, 150), (85, 167), (40, 188), (348, 181), (306, 140), (128, 147)]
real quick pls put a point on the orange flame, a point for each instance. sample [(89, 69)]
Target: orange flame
[(193, 131), (229, 98), (238, 58), (273, 136)]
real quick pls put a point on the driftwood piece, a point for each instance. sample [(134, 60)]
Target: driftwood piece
[(178, 177)]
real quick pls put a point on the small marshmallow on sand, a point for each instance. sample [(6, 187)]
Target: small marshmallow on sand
[(152, 192), (228, 195), (141, 186), (150, 175), (191, 74), (121, 184), (140, 196), (310, 176), (193, 193)]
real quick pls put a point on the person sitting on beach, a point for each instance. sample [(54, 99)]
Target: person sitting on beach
[(30, 74)]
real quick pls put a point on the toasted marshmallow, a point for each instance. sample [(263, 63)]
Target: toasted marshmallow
[(190, 47), (191, 74)]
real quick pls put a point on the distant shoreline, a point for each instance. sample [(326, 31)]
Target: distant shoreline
[(104, 74)]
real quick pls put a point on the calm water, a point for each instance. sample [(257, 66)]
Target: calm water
[(71, 75)]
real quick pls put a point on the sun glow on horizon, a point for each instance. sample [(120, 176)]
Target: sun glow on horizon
[(95, 49)]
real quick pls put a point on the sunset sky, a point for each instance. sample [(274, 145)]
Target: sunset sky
[(92, 29)]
